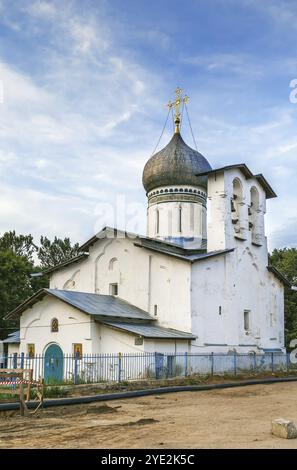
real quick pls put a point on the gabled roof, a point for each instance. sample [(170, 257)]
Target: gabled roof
[(184, 254), (76, 259), (279, 275), (248, 174), (97, 305), (151, 330), (12, 338)]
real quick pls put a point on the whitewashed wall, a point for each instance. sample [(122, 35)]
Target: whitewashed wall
[(74, 327), (144, 278)]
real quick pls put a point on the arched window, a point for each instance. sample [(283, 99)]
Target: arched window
[(54, 325), (112, 263), (254, 216), (236, 206)]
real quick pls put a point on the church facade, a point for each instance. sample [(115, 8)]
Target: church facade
[(198, 282)]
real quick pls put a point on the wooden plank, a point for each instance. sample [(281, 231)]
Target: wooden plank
[(14, 370), (9, 375), (9, 391)]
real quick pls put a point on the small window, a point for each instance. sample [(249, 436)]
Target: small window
[(113, 289), (220, 310), (31, 350), (77, 350), (54, 325), (138, 341), (247, 320), (155, 310)]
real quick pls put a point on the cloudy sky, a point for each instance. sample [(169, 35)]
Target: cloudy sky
[(84, 84)]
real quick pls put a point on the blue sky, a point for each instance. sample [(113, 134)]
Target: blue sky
[(85, 85)]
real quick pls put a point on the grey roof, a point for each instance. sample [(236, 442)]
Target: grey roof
[(76, 259), (151, 331), (184, 254), (13, 338), (247, 173), (177, 163), (93, 304)]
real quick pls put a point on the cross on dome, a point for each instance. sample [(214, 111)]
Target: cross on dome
[(180, 99)]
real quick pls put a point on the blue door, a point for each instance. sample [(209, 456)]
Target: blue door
[(53, 364)]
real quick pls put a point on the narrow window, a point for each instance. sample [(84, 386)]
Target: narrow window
[(31, 350), (113, 289), (54, 325), (247, 319), (155, 310), (180, 219), (220, 310), (192, 217), (157, 221), (77, 350)]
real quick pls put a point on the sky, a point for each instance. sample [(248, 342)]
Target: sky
[(83, 90)]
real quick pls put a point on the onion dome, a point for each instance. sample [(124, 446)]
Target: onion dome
[(175, 164)]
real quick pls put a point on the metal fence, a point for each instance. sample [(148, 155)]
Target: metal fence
[(98, 368)]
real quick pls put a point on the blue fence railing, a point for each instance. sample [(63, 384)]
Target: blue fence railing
[(95, 368)]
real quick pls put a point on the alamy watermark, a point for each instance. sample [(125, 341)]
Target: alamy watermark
[(293, 94)]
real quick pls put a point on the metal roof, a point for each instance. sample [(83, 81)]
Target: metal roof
[(183, 254), (247, 173), (92, 304), (175, 164), (12, 338), (151, 331), (76, 259)]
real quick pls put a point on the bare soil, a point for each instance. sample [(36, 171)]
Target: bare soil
[(231, 418)]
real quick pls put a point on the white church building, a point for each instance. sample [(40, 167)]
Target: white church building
[(198, 282)]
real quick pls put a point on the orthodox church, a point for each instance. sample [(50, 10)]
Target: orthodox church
[(198, 282)]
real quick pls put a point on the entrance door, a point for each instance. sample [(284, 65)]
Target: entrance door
[(53, 364)]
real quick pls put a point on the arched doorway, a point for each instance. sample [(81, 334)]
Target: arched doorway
[(53, 364)]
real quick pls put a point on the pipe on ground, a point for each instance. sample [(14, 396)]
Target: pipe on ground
[(141, 393)]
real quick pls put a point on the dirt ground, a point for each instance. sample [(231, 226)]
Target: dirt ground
[(231, 418)]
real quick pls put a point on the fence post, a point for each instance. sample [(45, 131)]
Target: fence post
[(120, 367), (75, 367), (22, 360), (212, 363), (288, 361), (235, 363), (15, 360), (255, 361), (186, 364), (272, 362)]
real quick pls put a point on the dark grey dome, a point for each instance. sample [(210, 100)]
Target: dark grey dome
[(177, 163)]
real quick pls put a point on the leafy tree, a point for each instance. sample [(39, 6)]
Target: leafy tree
[(285, 260), (21, 245), (17, 266), (15, 284), (55, 252)]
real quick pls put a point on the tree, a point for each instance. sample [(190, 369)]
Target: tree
[(15, 285), (53, 253), (17, 266), (21, 245), (285, 260)]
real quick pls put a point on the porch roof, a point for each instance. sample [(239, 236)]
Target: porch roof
[(148, 330)]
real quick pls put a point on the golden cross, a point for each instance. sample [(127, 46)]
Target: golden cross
[(176, 104)]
